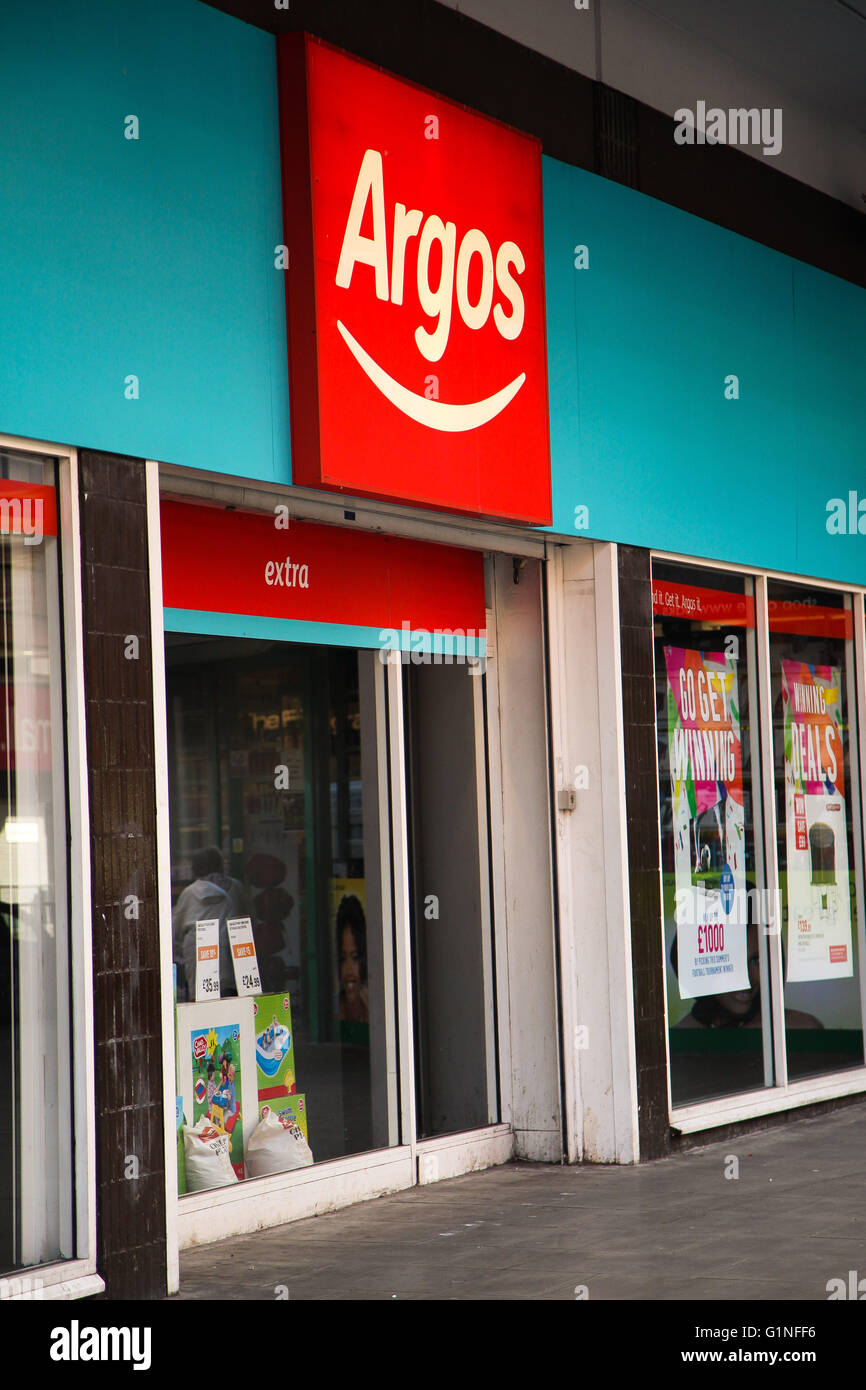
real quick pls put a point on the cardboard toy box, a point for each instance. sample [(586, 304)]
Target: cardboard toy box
[(275, 1052)]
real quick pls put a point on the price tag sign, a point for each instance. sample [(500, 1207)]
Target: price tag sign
[(246, 966), (207, 961)]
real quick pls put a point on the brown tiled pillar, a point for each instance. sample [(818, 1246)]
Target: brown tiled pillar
[(644, 868), (131, 1237)]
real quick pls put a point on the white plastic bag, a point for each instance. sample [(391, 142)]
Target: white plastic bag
[(276, 1146), (206, 1150)]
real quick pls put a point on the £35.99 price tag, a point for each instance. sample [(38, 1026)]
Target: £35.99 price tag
[(246, 966), (207, 961)]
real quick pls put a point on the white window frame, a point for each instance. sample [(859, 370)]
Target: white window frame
[(76, 1277), (163, 876), (784, 1094)]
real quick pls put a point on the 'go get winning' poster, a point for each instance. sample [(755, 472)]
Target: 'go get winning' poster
[(706, 767)]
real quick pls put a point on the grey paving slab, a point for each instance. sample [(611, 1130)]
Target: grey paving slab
[(676, 1229)]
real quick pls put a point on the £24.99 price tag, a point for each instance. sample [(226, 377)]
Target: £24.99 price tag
[(246, 966)]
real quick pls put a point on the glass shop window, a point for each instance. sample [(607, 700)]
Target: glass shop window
[(715, 904), (36, 1185), (818, 824), (283, 953)]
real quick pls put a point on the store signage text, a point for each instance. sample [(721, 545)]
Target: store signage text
[(436, 302), (287, 574), (220, 561), (674, 600), (415, 293)]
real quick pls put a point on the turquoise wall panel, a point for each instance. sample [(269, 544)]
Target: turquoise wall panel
[(639, 348), (152, 257)]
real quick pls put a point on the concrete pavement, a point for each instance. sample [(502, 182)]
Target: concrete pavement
[(679, 1228)]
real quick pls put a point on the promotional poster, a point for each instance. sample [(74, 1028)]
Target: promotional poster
[(706, 767), (819, 907)]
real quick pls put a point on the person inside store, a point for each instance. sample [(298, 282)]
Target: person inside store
[(739, 1008), (352, 957), (213, 894)]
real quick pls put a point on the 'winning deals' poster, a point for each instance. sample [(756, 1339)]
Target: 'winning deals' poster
[(706, 766), (819, 907)]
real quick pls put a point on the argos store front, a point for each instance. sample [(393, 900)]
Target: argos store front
[(345, 679), (313, 468), (393, 508), (334, 755)]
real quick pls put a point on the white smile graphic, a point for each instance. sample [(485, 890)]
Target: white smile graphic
[(436, 415)]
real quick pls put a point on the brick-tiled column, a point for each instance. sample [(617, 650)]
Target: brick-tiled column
[(644, 868), (131, 1238)]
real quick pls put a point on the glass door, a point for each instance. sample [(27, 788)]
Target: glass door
[(451, 928)]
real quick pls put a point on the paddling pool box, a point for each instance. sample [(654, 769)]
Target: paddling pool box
[(275, 1053)]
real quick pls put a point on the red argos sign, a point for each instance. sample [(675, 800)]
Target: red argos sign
[(415, 292)]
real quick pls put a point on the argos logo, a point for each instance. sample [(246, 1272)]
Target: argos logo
[(435, 240), (454, 265), (415, 296)]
